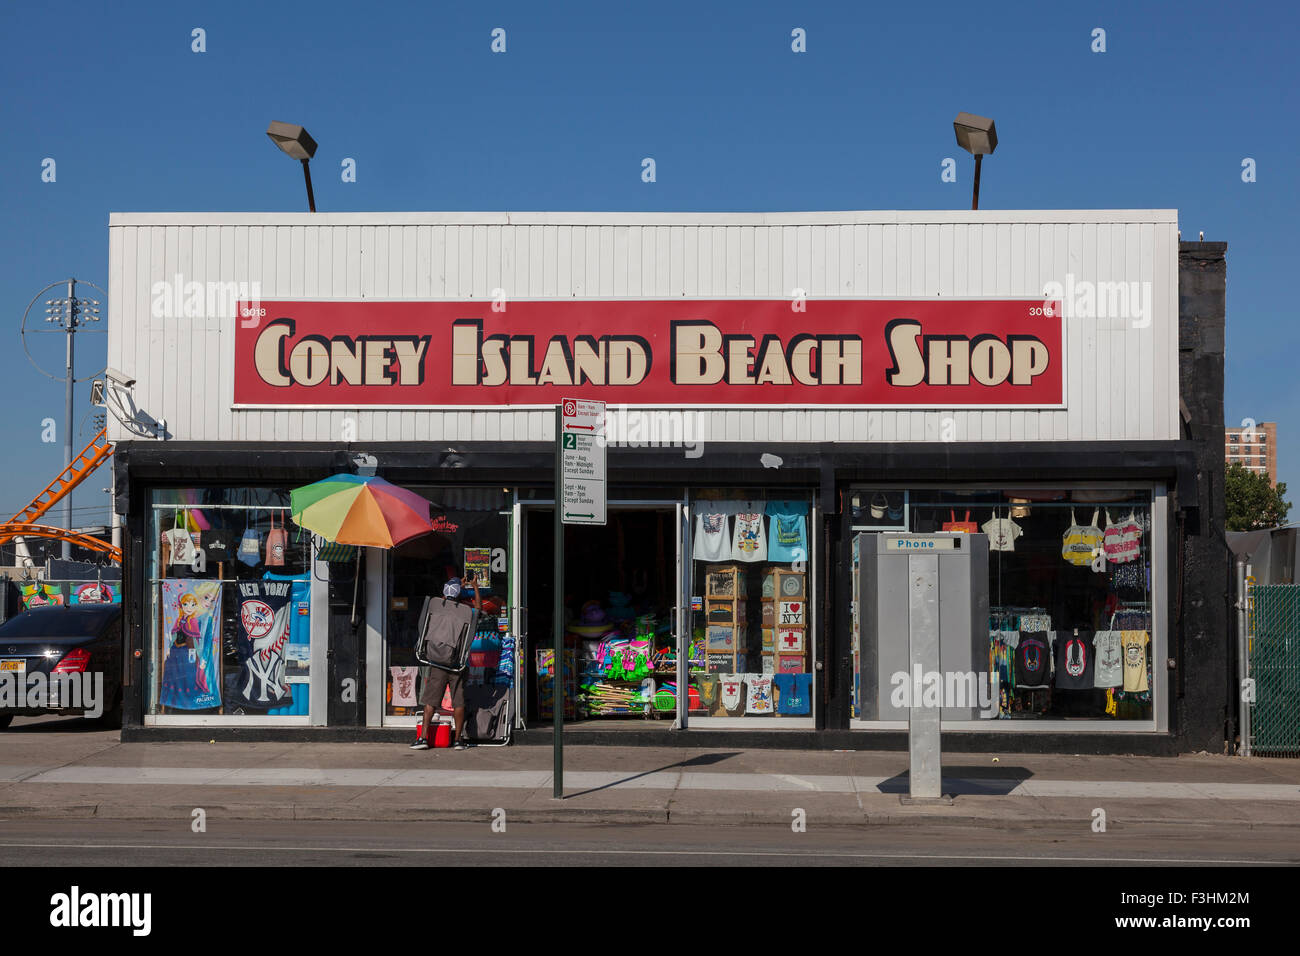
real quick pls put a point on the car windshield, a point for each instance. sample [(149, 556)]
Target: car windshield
[(59, 622)]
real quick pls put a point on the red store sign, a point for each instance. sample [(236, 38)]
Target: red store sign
[(929, 353)]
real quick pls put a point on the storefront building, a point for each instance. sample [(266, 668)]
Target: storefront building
[(777, 385)]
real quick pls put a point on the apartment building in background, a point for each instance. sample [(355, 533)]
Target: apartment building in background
[(1253, 447)]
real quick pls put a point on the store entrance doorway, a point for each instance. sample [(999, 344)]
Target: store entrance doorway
[(622, 604)]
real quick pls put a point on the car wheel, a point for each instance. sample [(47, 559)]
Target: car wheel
[(5, 720)]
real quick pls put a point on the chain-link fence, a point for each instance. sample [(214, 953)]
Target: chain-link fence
[(1274, 617)]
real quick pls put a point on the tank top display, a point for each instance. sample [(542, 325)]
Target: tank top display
[(1122, 540)]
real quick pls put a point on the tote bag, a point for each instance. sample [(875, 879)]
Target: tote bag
[(965, 526), (250, 545), (178, 546), (277, 540)]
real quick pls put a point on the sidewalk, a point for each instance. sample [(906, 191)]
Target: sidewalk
[(54, 775)]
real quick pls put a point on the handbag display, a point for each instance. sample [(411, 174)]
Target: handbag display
[(965, 526), (277, 540)]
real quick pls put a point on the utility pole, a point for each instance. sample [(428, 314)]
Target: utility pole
[(67, 411), (70, 313)]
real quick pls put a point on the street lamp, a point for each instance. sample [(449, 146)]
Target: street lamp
[(296, 142), (977, 135)]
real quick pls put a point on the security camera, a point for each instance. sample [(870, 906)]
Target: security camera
[(119, 378)]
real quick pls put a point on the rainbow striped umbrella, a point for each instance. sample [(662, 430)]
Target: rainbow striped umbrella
[(351, 509)]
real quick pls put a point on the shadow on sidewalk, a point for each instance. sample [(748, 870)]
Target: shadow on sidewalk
[(57, 724), (703, 760), (968, 781)]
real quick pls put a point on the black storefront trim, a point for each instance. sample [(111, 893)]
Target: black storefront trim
[(819, 464)]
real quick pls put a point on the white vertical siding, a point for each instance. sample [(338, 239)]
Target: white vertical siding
[(1121, 380)]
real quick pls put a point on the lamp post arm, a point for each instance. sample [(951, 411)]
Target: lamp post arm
[(306, 174)]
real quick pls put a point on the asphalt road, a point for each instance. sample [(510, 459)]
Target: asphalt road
[(113, 843)]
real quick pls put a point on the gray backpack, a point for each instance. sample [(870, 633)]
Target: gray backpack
[(445, 633)]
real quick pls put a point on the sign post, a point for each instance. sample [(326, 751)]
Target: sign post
[(582, 444), (557, 620), (579, 499)]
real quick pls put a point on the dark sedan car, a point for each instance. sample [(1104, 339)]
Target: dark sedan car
[(62, 660)]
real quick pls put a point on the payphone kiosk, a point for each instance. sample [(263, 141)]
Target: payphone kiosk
[(921, 616)]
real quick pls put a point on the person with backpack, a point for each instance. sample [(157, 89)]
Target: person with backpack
[(439, 680)]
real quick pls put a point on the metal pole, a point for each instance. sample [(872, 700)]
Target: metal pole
[(311, 197), (67, 410), (1243, 660), (975, 197), (557, 623), (925, 764)]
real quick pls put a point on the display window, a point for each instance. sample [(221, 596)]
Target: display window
[(1069, 593), (751, 639), (467, 553), (620, 589), (229, 615)]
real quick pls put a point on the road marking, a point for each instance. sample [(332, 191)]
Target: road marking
[(261, 847)]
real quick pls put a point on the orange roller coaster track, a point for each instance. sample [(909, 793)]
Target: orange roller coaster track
[(10, 530), (21, 524)]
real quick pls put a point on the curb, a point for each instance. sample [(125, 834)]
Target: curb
[(182, 814)]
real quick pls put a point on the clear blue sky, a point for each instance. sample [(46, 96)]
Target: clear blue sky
[(733, 118)]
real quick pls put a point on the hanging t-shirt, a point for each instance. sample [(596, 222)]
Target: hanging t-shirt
[(1109, 668), (1135, 659), (1074, 660), (748, 542), (708, 690), (1033, 659), (1002, 533), (759, 699), (404, 686), (793, 693), (730, 687), (787, 538), (711, 541)]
